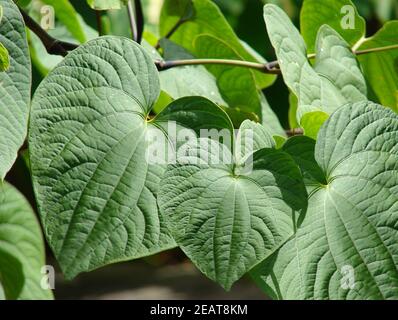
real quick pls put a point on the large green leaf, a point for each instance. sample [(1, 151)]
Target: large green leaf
[(381, 68), (90, 136), (347, 244), (225, 217), (341, 15), (15, 84), (334, 81), (21, 248), (204, 17)]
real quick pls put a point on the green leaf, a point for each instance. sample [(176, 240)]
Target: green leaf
[(188, 80), (341, 15), (23, 3), (279, 141), (302, 150), (346, 246), (66, 13), (336, 79), (312, 122), (293, 105), (21, 248), (336, 62), (201, 17), (381, 68), (237, 85), (15, 86), (252, 137), (270, 119), (2, 293), (4, 58), (106, 4), (90, 136), (225, 218)]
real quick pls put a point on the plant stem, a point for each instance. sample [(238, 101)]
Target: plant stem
[(58, 47), (380, 49), (263, 67), (52, 45), (132, 20), (99, 22), (139, 17), (171, 32)]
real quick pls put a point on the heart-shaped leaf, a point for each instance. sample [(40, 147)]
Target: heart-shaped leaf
[(225, 217), (15, 86), (90, 138), (347, 244), (21, 248)]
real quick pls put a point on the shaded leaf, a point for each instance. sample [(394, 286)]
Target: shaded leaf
[(21, 248)]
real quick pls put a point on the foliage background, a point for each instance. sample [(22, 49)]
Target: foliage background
[(171, 271)]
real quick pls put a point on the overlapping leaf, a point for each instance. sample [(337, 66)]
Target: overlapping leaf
[(381, 68), (341, 15), (347, 244), (21, 248), (90, 136), (15, 85), (334, 81), (198, 17), (226, 217)]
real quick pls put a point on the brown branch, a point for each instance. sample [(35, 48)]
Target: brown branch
[(294, 132), (99, 22), (52, 45)]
